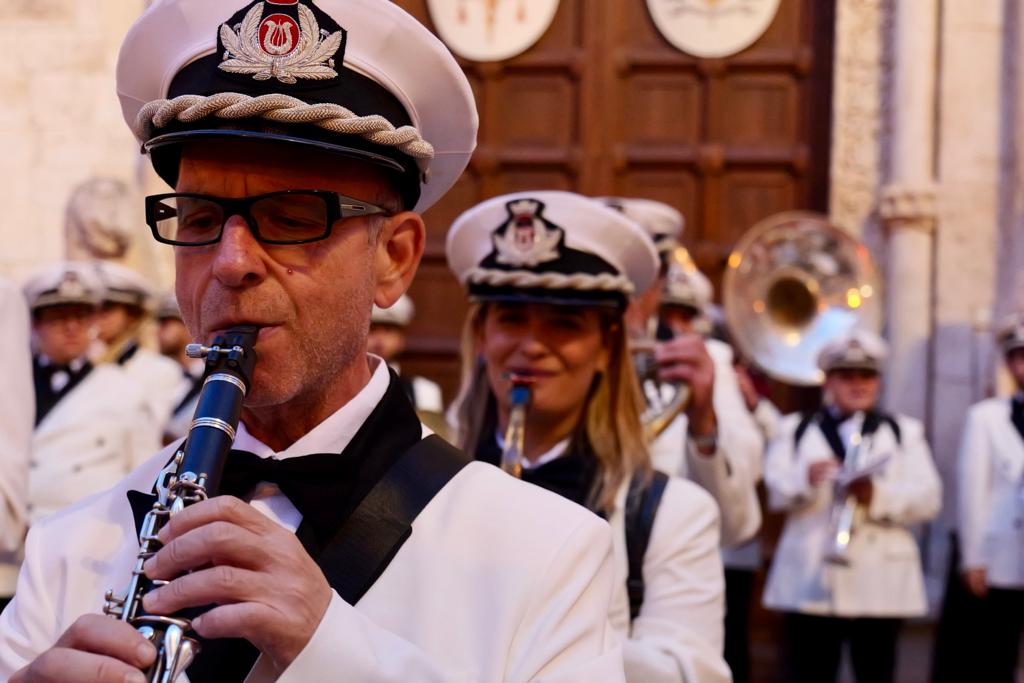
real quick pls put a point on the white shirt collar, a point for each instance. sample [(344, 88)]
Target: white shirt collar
[(335, 433), (555, 452)]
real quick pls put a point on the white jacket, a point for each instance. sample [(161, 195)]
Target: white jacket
[(158, 378), (884, 578), (499, 581), (678, 636), (730, 474), (89, 441), (990, 506), (17, 416)]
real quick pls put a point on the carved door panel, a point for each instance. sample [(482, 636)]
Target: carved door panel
[(603, 104), (534, 133)]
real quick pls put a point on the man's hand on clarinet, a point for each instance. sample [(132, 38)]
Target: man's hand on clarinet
[(95, 649), (265, 586)]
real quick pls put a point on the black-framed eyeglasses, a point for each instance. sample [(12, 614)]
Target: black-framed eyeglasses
[(186, 219)]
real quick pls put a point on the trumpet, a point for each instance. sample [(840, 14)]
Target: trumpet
[(191, 477), (515, 433), (845, 511), (663, 403)]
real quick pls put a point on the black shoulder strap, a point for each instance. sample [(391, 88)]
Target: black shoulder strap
[(895, 427), (801, 428), (641, 508), (370, 538)]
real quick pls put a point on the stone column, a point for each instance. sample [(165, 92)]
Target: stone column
[(908, 206)]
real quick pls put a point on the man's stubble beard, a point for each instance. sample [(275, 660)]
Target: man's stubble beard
[(329, 351)]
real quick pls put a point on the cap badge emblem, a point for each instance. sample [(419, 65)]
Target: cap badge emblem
[(278, 47), (527, 240), (71, 286)]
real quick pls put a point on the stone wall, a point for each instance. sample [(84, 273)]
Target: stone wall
[(969, 129), (61, 123)]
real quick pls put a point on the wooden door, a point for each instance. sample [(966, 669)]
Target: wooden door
[(602, 104)]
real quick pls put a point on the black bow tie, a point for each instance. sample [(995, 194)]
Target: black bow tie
[(311, 482)]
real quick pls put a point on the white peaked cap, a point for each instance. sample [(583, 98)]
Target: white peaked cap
[(660, 220), (399, 313), (67, 283), (167, 306), (857, 349), (387, 65), (1011, 332), (553, 246), (687, 287), (125, 286)]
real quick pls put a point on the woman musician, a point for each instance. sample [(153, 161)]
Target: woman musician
[(549, 275)]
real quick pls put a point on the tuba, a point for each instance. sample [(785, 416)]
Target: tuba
[(794, 283), (191, 477)]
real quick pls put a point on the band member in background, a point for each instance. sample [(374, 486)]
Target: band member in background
[(347, 542), (387, 339), (172, 337), (685, 308), (549, 275), (766, 415), (719, 446), (990, 521), (128, 302), (87, 416), (17, 417), (849, 450)]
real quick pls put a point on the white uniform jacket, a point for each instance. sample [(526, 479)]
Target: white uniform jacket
[(499, 580), (158, 378), (678, 636), (17, 416), (87, 442), (730, 474), (884, 578), (990, 479)]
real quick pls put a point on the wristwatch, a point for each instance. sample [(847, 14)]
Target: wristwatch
[(707, 443)]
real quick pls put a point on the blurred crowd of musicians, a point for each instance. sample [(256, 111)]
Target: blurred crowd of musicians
[(103, 354), (599, 519)]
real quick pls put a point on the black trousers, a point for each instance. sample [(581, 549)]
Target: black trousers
[(814, 647), (977, 638), (739, 589)]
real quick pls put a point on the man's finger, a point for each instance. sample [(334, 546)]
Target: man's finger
[(215, 543), (218, 585), (219, 509), (63, 665), (240, 620), (102, 635)]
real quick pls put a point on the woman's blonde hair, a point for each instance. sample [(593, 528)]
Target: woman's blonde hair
[(610, 427)]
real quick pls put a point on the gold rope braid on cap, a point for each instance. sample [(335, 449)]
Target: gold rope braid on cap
[(526, 279), (283, 109)]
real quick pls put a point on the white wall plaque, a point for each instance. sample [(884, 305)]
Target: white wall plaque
[(491, 30), (712, 28)]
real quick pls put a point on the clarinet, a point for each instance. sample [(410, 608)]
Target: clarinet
[(191, 477)]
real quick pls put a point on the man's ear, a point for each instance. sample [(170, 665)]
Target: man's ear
[(397, 256)]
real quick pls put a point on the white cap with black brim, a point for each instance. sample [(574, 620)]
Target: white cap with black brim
[(550, 247), (381, 88)]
